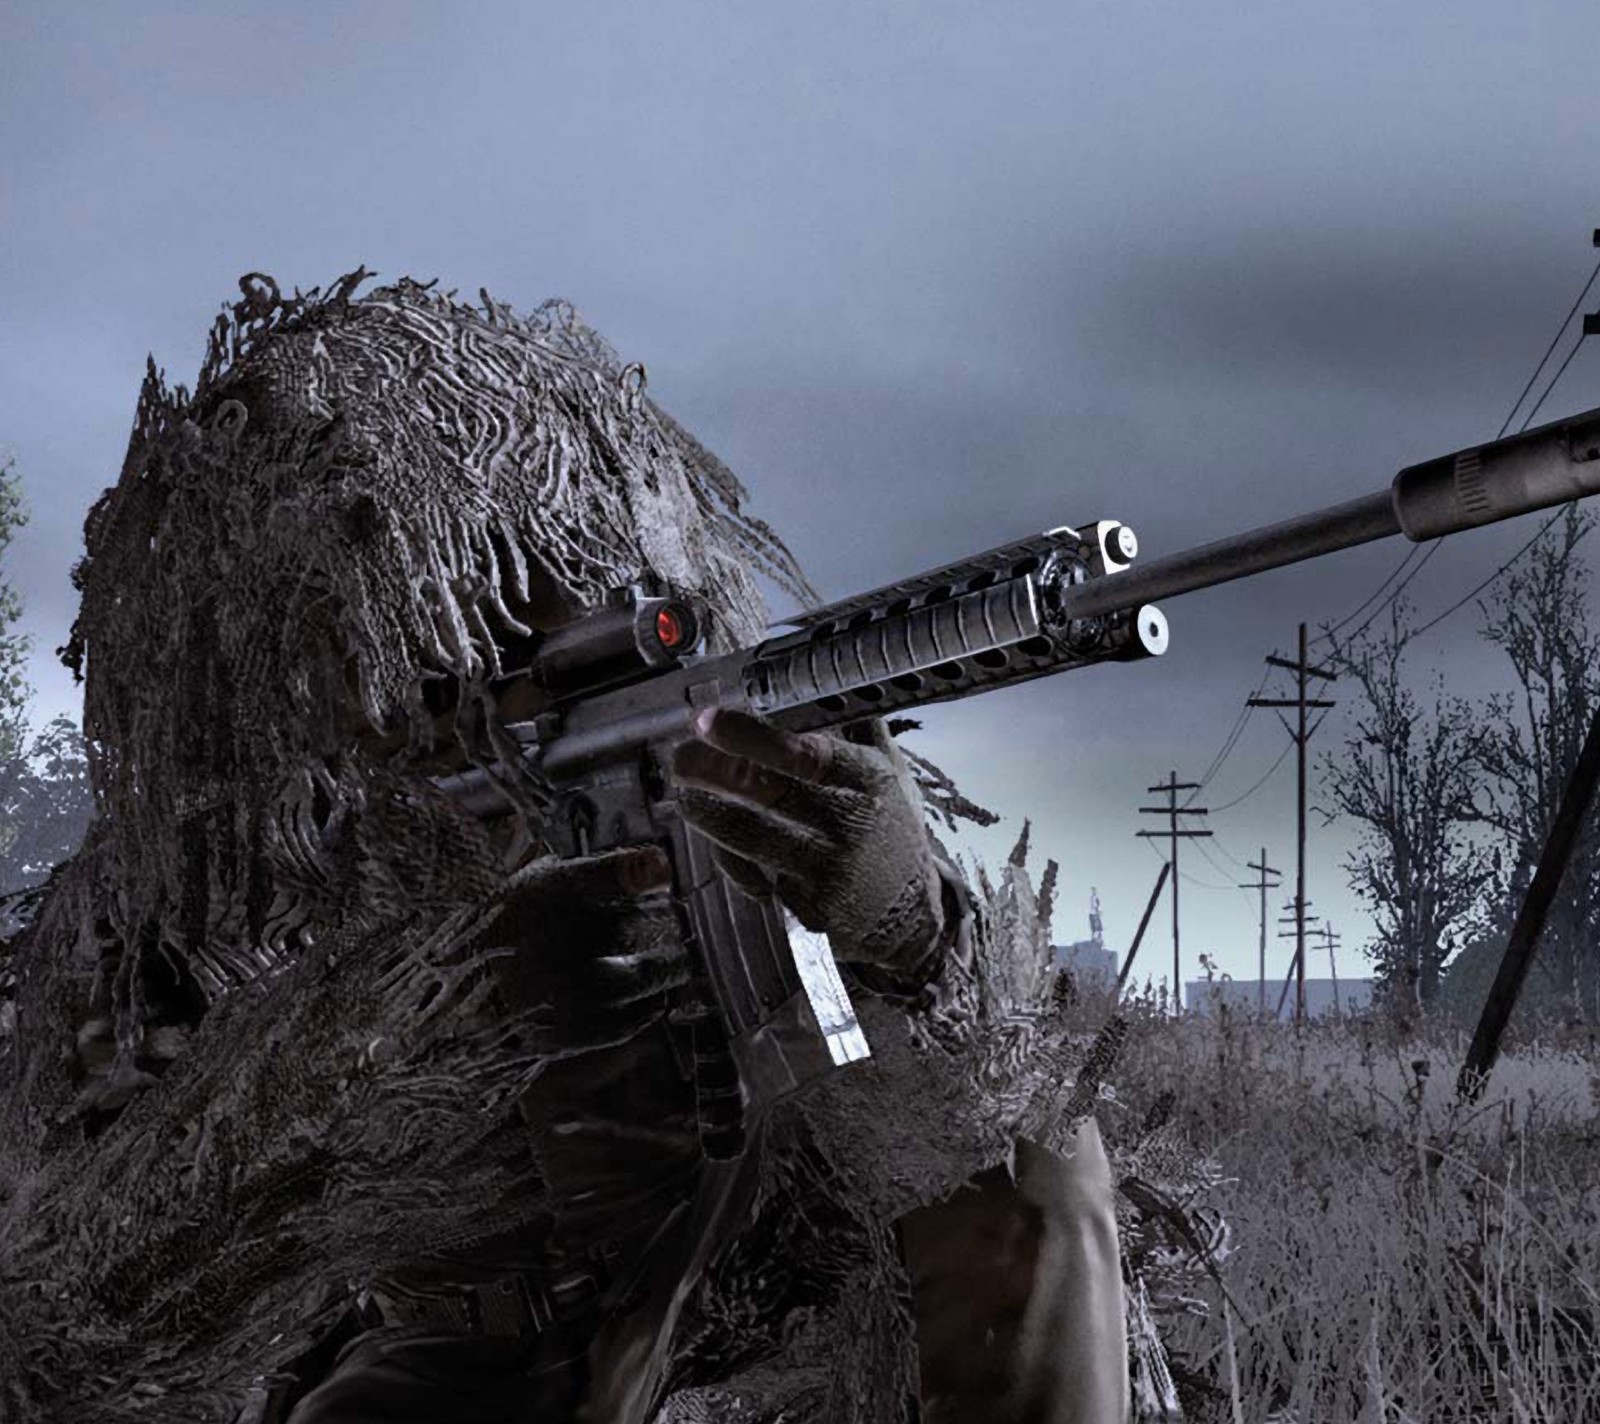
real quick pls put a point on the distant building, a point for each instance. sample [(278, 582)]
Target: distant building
[(1089, 959), (1353, 994)]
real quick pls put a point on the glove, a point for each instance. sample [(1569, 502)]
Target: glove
[(834, 828), (587, 946)]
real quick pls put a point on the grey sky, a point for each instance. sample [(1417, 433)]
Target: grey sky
[(929, 276)]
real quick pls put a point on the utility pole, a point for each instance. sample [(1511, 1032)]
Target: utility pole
[(1301, 735), (1333, 966), (1576, 798), (1263, 885), (1294, 927), (1144, 922), (1172, 810)]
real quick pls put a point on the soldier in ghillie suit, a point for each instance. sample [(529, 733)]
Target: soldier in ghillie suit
[(324, 1095)]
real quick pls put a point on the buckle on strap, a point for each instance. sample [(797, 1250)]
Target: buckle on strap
[(513, 1307), (507, 1309)]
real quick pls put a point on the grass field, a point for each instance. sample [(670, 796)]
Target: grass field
[(1392, 1256)]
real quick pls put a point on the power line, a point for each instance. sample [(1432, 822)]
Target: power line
[(1227, 746), (1203, 884), (1188, 879), (1229, 742), (1399, 588), (1220, 869), (1460, 602), (1216, 844), (1558, 375), (1259, 784), (1511, 415), (1355, 613)]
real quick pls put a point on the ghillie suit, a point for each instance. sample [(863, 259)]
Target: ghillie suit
[(1174, 1247), (253, 1065)]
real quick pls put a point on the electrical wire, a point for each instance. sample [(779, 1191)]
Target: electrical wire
[(1228, 744), (1467, 598), (1558, 375), (1222, 869), (1258, 785), (1230, 741), (1511, 415), (1400, 588), (1327, 635), (1202, 884), (1184, 874), (1216, 844)]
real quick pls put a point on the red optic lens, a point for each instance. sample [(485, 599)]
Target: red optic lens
[(669, 628)]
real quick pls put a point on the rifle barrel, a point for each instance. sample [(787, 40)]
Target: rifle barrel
[(1482, 484), (1304, 537)]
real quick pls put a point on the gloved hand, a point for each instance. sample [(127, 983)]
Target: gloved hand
[(833, 827), (587, 946)]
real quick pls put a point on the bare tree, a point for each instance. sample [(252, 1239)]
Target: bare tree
[(1408, 778), (1541, 620)]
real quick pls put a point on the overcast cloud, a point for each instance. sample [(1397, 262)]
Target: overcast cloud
[(928, 275)]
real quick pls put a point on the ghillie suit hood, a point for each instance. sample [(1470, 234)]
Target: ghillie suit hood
[(248, 1065), (352, 504)]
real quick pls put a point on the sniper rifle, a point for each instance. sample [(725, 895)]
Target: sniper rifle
[(618, 687)]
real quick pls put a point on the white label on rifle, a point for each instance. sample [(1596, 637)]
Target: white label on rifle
[(830, 1000)]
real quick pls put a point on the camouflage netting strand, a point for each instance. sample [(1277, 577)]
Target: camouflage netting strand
[(249, 1063)]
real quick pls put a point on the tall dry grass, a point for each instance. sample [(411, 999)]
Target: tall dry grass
[(1393, 1257)]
